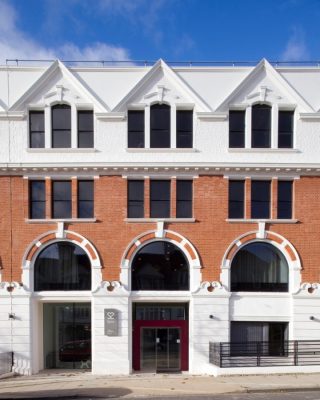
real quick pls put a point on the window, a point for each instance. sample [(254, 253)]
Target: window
[(135, 199), (261, 126), (61, 199), (236, 129), (62, 266), (260, 199), (184, 129), (36, 129), (285, 199), (37, 195), (159, 126), (285, 129), (85, 129), (160, 265), (269, 336), (259, 267), (85, 199), (184, 199), (236, 199), (135, 129), (61, 126), (160, 199)]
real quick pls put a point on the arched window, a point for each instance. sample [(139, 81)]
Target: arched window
[(261, 126), (160, 126), (61, 126), (160, 265), (259, 267), (62, 266)]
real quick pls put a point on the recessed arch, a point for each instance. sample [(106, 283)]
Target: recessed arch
[(275, 239)]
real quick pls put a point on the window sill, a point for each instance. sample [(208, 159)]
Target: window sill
[(55, 220), (161, 150), (61, 150), (143, 220), (261, 150), (256, 220)]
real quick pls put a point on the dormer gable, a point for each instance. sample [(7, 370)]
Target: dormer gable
[(264, 85), (58, 85), (161, 85)]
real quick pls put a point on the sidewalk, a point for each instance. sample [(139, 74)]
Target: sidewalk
[(70, 383)]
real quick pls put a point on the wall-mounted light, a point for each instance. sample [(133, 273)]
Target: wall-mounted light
[(312, 318), (12, 316), (211, 316)]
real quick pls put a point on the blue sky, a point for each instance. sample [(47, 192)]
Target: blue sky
[(212, 30)]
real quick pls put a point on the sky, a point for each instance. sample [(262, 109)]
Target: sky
[(175, 30)]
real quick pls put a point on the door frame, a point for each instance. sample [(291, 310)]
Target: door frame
[(184, 340)]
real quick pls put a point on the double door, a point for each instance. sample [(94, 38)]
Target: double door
[(160, 349)]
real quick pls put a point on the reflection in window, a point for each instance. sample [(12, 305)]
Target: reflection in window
[(160, 126), (160, 266), (61, 126), (261, 126), (259, 267), (62, 266)]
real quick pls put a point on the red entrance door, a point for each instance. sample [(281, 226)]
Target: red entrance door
[(160, 345)]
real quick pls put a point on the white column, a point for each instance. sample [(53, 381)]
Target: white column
[(274, 126), (74, 127), (47, 127), (173, 126), (248, 133), (147, 127)]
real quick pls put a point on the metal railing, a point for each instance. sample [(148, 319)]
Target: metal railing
[(150, 63), (265, 354), (6, 362)]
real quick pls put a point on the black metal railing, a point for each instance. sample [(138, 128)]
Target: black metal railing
[(265, 354), (6, 362)]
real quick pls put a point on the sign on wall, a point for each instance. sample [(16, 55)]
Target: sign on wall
[(111, 322)]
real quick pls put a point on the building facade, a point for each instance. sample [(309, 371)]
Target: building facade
[(152, 215)]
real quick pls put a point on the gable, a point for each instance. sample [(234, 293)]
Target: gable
[(264, 84), (57, 84), (161, 84)]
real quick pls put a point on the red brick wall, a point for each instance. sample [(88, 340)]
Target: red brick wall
[(210, 234)]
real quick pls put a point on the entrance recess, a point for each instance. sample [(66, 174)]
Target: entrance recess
[(160, 337)]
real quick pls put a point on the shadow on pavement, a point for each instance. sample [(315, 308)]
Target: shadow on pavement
[(93, 393)]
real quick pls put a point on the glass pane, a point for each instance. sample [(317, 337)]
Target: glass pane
[(148, 349), (62, 266), (61, 209), (259, 267), (184, 209), (285, 140), (136, 190), (260, 199), (135, 209), (136, 139), (38, 210), (184, 140), (67, 335), (85, 121), (160, 190), (236, 128), (160, 266), (136, 121), (36, 140), (236, 199), (85, 209), (61, 117), (160, 117), (261, 126), (160, 139), (184, 128), (36, 121), (184, 190), (37, 191), (174, 349), (61, 138), (162, 349), (85, 140), (160, 209), (285, 199), (61, 190), (85, 190)]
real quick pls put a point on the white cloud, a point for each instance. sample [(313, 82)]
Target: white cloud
[(296, 49), (16, 44)]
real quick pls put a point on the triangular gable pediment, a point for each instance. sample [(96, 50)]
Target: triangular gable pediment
[(58, 84), (264, 84), (161, 84)]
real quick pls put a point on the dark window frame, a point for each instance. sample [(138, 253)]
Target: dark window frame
[(256, 130), (155, 202), (67, 201), (33, 202), (157, 133), (136, 202), (283, 134), (234, 134), (285, 203), (85, 201), (133, 132), (184, 201), (257, 201), (235, 211), (184, 135), (81, 131), (57, 130), (39, 132)]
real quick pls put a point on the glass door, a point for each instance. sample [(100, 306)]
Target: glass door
[(160, 349)]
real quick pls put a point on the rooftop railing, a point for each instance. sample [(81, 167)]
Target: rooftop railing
[(150, 63), (265, 354)]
